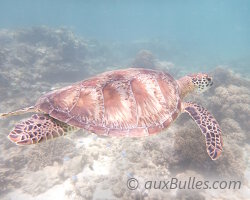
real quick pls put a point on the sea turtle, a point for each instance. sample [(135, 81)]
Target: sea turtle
[(129, 102)]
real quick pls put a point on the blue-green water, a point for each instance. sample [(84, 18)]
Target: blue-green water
[(190, 33), (46, 45)]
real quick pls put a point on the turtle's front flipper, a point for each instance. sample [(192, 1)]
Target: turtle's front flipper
[(18, 112), (38, 128), (209, 127)]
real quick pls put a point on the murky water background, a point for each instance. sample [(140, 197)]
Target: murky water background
[(37, 55)]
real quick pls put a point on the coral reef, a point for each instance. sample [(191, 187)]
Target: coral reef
[(144, 59), (190, 153), (84, 166), (9, 179), (44, 56), (45, 154)]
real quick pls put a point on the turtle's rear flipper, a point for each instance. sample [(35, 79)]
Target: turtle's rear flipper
[(209, 127), (38, 128), (18, 112)]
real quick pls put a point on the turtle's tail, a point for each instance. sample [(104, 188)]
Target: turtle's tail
[(18, 112)]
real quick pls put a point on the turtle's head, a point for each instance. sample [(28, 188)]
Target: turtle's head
[(196, 82), (201, 82)]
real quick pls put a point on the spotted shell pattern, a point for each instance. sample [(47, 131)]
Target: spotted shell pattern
[(131, 102)]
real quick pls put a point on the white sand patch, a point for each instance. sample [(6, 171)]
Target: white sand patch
[(102, 167)]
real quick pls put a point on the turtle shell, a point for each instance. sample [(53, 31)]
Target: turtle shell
[(131, 102)]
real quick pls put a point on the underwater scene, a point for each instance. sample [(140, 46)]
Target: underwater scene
[(186, 103)]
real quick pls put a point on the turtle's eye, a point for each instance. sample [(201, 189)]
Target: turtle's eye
[(202, 82), (208, 80)]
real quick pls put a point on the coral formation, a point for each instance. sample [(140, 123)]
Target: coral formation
[(144, 59), (190, 153), (9, 179), (45, 154), (43, 56)]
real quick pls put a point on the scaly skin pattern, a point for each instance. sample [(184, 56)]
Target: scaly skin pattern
[(208, 126), (197, 82), (131, 102), (39, 128)]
